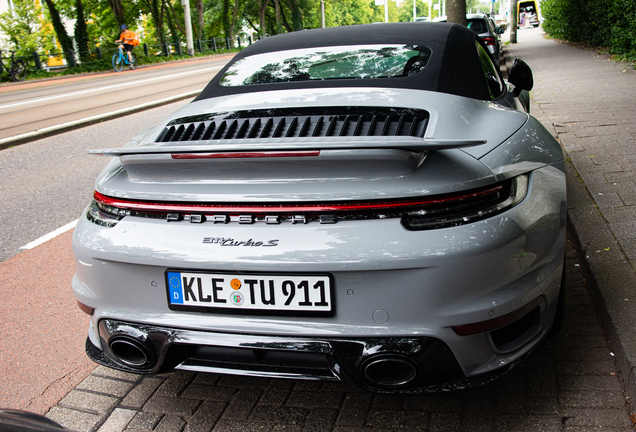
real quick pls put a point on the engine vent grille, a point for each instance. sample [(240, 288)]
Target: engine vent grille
[(295, 123)]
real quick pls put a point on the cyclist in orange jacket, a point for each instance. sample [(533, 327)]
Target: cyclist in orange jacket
[(127, 37)]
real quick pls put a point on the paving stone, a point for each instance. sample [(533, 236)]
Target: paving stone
[(117, 421), (103, 371), (277, 392), (171, 405), (399, 420), (208, 392), (243, 381), (387, 402), (542, 406), (141, 393), (528, 424), (72, 419), (320, 420), (235, 426), (144, 421), (305, 399), (444, 421), (176, 383), (354, 409), (593, 382), (170, 423), (607, 367), (434, 403), (205, 416), (592, 399), (278, 415), (105, 385), (598, 418), (207, 378), (88, 402), (242, 404)]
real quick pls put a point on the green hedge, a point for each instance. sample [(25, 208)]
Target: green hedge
[(609, 23)]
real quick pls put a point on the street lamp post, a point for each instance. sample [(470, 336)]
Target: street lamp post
[(322, 12)]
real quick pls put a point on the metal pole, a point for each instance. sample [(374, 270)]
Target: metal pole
[(188, 27), (322, 12), (414, 11), (513, 21), (386, 11)]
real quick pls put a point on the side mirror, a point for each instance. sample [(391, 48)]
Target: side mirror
[(521, 76)]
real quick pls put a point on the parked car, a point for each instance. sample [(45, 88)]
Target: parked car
[(531, 11), (490, 33), (370, 204)]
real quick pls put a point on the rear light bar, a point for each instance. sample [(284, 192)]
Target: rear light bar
[(245, 155), (416, 214), (144, 206), (489, 41)]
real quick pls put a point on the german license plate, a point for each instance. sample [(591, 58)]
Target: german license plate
[(253, 293)]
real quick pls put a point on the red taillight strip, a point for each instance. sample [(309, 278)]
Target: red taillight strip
[(291, 208), (502, 321), (244, 155)]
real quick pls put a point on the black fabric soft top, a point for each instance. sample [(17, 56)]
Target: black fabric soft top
[(454, 66)]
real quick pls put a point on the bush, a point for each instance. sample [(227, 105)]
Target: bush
[(608, 23)]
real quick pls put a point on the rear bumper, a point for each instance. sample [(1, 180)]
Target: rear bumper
[(405, 365)]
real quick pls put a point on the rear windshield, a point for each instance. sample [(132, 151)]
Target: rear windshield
[(335, 62)]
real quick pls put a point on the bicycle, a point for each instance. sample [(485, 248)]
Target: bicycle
[(17, 71), (120, 59)]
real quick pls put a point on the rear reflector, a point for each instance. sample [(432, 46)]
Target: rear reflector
[(502, 321), (86, 309)]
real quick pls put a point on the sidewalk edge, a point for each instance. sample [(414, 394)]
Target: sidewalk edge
[(56, 130), (612, 278)]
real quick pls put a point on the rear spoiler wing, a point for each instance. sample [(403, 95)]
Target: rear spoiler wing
[(414, 144)]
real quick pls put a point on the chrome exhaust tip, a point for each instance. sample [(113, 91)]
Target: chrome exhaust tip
[(390, 370), (131, 352)]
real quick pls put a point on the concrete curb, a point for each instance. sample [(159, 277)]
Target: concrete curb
[(76, 124), (610, 274)]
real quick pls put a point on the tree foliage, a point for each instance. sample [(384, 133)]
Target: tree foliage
[(27, 29), (610, 23)]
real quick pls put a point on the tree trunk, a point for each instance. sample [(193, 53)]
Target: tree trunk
[(228, 28), (118, 9), (262, 6), (201, 27), (62, 37), (81, 32), (297, 16), (456, 11)]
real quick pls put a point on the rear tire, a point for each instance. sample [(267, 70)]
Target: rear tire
[(18, 70), (118, 62), (134, 60)]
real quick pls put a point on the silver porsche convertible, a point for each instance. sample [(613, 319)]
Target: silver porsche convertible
[(370, 204)]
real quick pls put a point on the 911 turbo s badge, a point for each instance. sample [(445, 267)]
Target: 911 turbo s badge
[(222, 241)]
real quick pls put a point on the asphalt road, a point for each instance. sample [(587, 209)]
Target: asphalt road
[(46, 184), (39, 106)]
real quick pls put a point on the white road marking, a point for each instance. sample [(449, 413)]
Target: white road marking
[(50, 235), (101, 116), (129, 83)]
